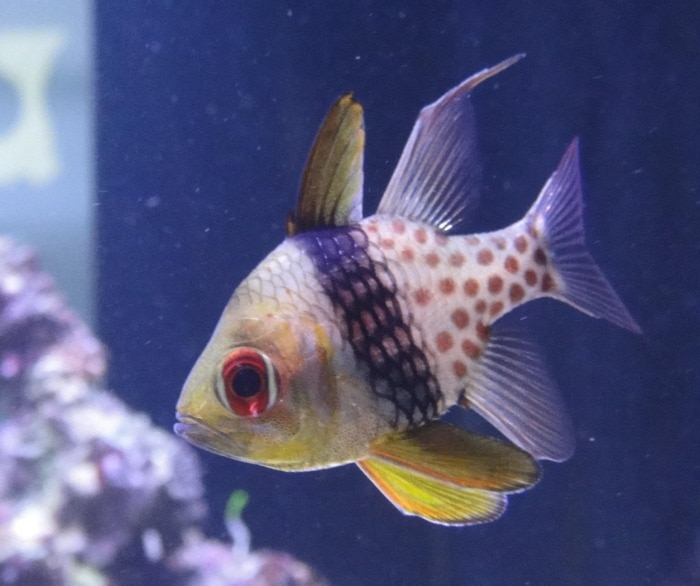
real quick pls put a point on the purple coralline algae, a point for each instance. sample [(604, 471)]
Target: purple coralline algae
[(91, 492)]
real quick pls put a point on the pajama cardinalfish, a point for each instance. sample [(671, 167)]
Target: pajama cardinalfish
[(351, 339)]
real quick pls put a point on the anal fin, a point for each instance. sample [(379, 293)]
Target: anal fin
[(448, 475), (435, 501)]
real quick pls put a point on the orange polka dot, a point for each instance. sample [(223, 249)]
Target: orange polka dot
[(399, 226), (432, 259), (521, 244), (500, 242), (471, 349), (531, 277), (460, 318), (444, 341), (421, 235), (372, 228), (484, 257), (457, 259), (547, 282), (480, 306), (516, 293), (472, 240), (540, 257), (407, 254), (495, 284), (447, 286), (422, 296), (459, 368), (511, 264), (386, 243), (496, 308), (440, 239), (471, 287), (483, 331)]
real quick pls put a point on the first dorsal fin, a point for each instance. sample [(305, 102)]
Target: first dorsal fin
[(331, 187), (437, 177)]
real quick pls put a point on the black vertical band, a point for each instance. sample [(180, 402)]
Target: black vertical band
[(364, 295)]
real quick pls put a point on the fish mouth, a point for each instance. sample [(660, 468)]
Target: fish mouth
[(197, 432), (186, 423)]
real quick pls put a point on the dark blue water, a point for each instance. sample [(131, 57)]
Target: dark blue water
[(205, 116)]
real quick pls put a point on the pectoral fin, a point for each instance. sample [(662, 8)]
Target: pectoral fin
[(448, 475), (331, 187)]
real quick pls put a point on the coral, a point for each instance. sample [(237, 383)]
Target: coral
[(91, 492), (211, 563)]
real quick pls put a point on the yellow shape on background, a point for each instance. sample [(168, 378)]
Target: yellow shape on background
[(28, 148)]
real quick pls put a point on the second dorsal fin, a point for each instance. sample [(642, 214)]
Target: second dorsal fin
[(437, 177), (331, 187)]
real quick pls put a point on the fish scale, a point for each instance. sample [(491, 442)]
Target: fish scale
[(368, 309), (458, 286)]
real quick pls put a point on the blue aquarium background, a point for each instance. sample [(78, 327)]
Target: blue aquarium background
[(205, 114)]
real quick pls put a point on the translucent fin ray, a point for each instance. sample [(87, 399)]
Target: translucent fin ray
[(331, 187), (513, 391), (558, 216), (430, 499), (437, 176), (448, 475), (460, 457)]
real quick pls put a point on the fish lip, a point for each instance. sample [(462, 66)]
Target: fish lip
[(184, 424), (189, 424), (199, 433)]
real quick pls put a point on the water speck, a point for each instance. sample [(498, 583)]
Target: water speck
[(152, 202)]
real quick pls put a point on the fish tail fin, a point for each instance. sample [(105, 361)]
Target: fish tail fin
[(556, 218)]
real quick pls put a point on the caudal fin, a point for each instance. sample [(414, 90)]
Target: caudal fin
[(557, 218)]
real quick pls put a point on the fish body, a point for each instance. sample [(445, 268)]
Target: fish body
[(353, 337)]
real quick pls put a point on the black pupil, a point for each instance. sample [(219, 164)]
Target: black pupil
[(246, 382)]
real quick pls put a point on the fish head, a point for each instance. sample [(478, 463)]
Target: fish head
[(271, 387)]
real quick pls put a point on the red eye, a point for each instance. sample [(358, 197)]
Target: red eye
[(248, 384)]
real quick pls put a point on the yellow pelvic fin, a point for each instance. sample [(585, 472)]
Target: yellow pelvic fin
[(331, 187), (448, 475), (431, 499)]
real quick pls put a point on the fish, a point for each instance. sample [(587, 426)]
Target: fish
[(350, 341)]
